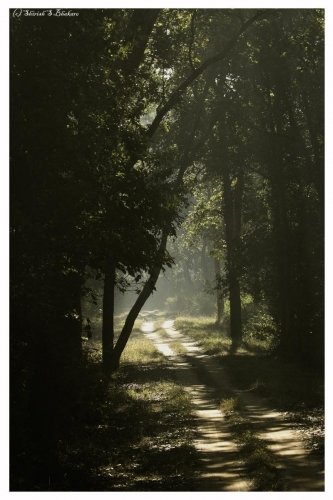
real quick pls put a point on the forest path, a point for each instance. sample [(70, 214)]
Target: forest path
[(205, 379)]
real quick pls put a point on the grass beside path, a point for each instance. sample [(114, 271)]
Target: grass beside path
[(135, 431), (211, 337)]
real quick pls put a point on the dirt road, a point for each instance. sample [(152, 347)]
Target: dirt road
[(206, 381)]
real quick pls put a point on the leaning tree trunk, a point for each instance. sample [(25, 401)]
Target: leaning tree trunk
[(139, 303)]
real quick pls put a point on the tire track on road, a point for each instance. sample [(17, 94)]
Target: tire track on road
[(206, 381)]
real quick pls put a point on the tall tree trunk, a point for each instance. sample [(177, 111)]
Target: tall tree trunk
[(282, 256), (235, 308), (306, 249), (203, 261), (232, 204), (187, 277), (219, 292), (108, 314), (278, 178)]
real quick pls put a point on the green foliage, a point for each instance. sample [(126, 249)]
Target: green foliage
[(259, 329), (260, 332)]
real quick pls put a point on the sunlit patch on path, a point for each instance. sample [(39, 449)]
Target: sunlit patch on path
[(167, 324), (147, 326), (204, 378), (221, 467)]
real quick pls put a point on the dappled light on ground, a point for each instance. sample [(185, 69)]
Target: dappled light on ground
[(300, 471), (221, 468), (216, 442)]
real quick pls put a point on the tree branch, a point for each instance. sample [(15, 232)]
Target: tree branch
[(179, 91)]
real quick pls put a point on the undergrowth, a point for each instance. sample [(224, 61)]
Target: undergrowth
[(134, 432)]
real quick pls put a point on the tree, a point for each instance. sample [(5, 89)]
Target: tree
[(295, 180), (134, 156), (261, 141)]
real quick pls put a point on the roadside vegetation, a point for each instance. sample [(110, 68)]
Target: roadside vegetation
[(259, 331), (133, 431), (292, 388)]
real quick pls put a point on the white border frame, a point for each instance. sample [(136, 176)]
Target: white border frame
[(4, 217)]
